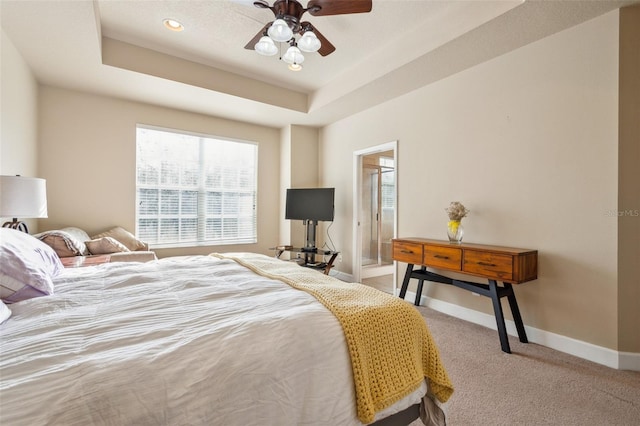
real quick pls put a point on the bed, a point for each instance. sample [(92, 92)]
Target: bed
[(233, 339)]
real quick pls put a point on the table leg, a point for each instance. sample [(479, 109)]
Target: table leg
[(419, 293), (405, 282), (497, 309), (515, 312), (327, 268)]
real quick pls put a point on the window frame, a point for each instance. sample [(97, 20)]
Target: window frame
[(201, 205)]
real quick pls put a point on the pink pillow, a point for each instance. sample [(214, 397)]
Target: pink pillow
[(27, 266)]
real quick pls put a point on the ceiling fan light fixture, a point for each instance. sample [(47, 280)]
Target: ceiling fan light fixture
[(266, 47), (280, 31), (173, 25), (309, 42), (289, 27), (293, 56)]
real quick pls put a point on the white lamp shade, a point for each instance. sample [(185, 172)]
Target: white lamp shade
[(293, 56), (280, 31), (23, 197), (266, 47), (309, 42)]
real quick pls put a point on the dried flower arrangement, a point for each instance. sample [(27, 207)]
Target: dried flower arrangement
[(456, 211)]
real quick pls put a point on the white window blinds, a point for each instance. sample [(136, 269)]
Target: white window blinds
[(194, 189)]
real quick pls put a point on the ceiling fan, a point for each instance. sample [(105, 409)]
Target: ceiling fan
[(288, 24)]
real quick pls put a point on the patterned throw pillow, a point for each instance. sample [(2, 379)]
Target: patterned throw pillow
[(66, 241), (106, 245)]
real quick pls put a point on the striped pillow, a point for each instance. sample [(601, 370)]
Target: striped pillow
[(66, 241)]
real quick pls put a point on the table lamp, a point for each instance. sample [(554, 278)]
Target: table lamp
[(24, 197)]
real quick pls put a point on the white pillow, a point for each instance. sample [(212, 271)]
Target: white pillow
[(5, 312), (27, 266), (123, 236), (106, 245)]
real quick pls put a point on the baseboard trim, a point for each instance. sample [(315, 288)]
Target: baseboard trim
[(342, 276), (629, 361), (578, 348), (376, 271)]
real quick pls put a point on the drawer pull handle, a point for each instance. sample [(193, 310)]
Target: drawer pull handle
[(406, 251), (439, 256), (486, 264)]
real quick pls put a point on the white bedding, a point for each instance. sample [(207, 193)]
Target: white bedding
[(189, 340)]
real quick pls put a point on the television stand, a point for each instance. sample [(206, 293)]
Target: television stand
[(310, 234), (309, 258)]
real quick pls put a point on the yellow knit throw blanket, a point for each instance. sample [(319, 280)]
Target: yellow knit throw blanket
[(391, 349)]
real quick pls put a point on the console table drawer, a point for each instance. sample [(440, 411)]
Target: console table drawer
[(490, 265), (407, 252), (443, 257)]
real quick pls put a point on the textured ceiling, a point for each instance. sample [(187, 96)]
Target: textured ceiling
[(217, 31), (120, 48)]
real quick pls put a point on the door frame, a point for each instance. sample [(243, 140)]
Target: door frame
[(357, 187)]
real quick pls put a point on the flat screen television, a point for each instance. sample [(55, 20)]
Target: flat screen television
[(310, 204)]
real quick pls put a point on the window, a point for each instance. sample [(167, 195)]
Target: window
[(194, 189)]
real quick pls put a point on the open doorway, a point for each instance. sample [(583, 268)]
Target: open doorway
[(375, 171)]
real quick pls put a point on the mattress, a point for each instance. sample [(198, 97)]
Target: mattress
[(182, 340)]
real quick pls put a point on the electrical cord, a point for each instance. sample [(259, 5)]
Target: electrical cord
[(332, 247)]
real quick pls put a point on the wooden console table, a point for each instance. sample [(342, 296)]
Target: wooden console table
[(508, 265)]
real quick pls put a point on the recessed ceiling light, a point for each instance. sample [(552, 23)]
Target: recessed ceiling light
[(172, 25)]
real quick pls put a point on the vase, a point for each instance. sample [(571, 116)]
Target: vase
[(455, 231)]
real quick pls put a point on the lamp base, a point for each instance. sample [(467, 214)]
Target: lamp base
[(17, 225)]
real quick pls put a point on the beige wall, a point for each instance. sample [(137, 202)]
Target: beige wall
[(18, 117), (528, 142), (285, 182), (299, 153), (88, 146), (629, 178)]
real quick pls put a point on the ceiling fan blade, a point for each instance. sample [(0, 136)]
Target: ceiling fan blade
[(338, 7), (252, 43), (262, 4), (326, 47)]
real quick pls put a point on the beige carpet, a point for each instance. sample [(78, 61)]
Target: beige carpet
[(382, 283), (534, 385)]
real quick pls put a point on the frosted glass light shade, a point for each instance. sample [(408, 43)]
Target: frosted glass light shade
[(24, 197), (293, 56), (309, 42), (280, 31), (266, 47)]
